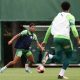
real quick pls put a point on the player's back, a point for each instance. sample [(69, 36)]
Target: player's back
[(61, 25)]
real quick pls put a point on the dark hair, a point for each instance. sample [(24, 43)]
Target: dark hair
[(65, 6), (31, 24)]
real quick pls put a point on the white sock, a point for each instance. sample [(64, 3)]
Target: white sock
[(3, 68), (50, 56), (27, 67), (62, 72)]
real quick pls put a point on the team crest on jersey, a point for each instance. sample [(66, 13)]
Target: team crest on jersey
[(31, 37)]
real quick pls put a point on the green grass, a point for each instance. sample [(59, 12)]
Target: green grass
[(49, 74)]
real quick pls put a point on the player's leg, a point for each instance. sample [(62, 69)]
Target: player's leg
[(58, 53), (15, 60), (67, 59), (30, 61), (65, 65), (68, 52), (45, 58), (58, 50), (58, 43)]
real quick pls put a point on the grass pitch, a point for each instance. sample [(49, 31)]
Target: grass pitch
[(49, 74)]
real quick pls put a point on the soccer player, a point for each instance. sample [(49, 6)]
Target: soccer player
[(22, 47), (60, 29)]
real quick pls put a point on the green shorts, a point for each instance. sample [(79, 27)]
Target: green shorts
[(20, 52), (63, 45)]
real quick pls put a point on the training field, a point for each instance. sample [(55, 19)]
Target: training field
[(49, 74)]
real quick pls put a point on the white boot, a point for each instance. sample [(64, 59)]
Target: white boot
[(64, 77), (2, 69), (27, 68)]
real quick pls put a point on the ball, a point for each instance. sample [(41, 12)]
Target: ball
[(40, 69)]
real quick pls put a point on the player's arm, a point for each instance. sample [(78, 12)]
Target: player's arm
[(73, 29), (45, 58), (17, 36), (14, 38), (46, 36), (38, 44), (75, 33)]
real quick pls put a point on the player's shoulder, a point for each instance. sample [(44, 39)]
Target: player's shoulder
[(34, 34), (25, 30), (71, 16)]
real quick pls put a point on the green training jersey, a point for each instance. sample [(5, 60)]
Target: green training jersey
[(60, 27)]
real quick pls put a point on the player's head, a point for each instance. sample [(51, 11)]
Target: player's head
[(32, 27), (65, 6)]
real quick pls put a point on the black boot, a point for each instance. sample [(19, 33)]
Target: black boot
[(60, 77)]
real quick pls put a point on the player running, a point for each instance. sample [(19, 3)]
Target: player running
[(22, 47), (60, 29)]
